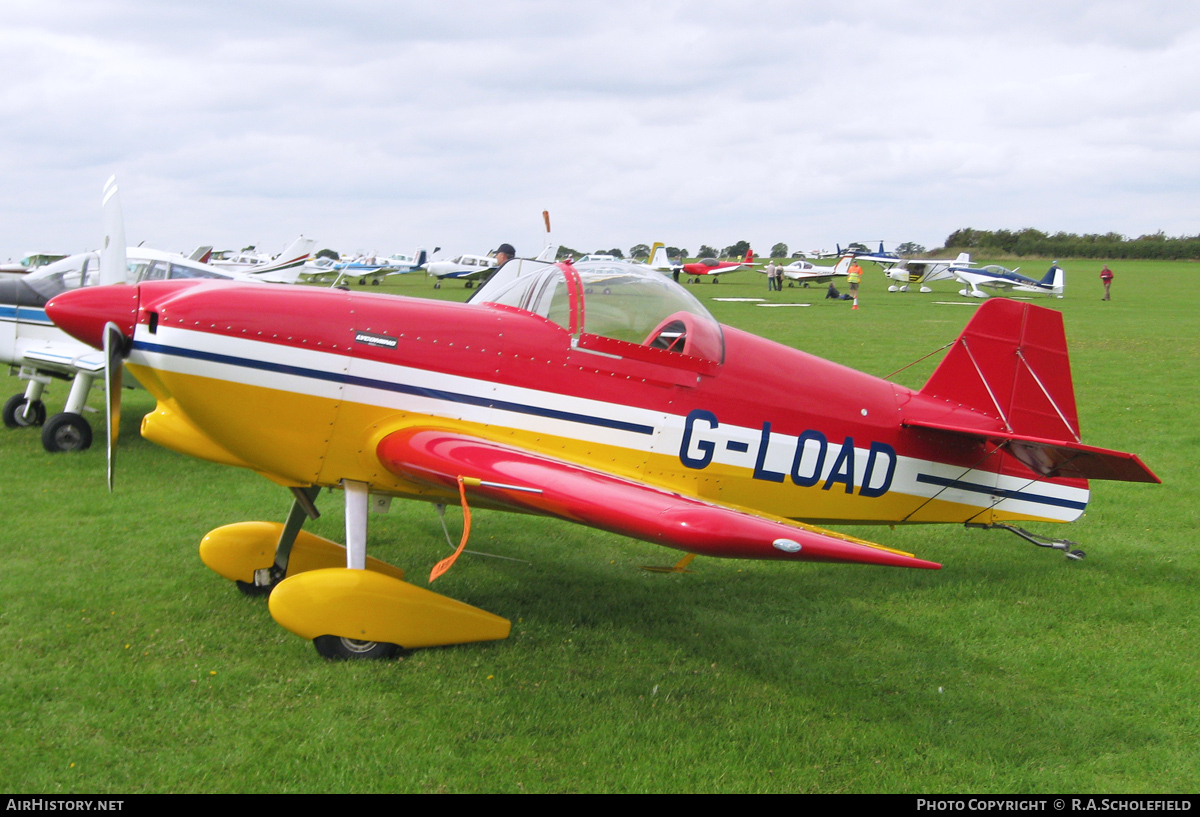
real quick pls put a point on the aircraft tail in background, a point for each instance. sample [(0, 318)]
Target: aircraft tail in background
[(658, 258)]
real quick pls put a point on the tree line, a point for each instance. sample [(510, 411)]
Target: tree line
[(1070, 245)]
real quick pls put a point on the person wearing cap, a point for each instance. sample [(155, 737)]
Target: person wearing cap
[(504, 254), (1106, 276)]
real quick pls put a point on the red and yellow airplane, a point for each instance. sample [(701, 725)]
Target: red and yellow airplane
[(711, 267), (603, 394)]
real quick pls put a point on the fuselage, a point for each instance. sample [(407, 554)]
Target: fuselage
[(763, 427), (711, 266)]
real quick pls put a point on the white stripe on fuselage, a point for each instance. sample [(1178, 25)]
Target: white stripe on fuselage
[(666, 439)]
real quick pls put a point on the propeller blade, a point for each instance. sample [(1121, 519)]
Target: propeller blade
[(114, 356), (112, 254)]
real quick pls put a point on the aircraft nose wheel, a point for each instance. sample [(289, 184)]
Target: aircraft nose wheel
[(14, 412), (337, 648), (66, 432)]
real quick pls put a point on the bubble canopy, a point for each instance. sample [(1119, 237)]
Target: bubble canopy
[(624, 302)]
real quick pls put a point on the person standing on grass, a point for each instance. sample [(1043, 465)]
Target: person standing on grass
[(770, 271), (1106, 276), (853, 276)]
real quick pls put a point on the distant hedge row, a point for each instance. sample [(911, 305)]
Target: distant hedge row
[(1070, 245)]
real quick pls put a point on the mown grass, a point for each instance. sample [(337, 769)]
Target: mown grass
[(131, 667)]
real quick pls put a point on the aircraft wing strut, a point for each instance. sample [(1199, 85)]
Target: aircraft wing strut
[(620, 505)]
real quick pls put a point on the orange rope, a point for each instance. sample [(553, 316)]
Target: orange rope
[(445, 564)]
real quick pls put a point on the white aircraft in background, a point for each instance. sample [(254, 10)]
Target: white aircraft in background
[(806, 272), (994, 276), (470, 268), (284, 268), (31, 261), (42, 353), (908, 271), (377, 268)]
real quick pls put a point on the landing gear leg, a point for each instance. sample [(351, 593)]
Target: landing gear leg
[(339, 647), (69, 431), (365, 609), (27, 409), (1063, 545), (303, 507)]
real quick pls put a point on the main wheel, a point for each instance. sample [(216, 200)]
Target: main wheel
[(14, 412), (66, 432), (342, 649), (253, 590)]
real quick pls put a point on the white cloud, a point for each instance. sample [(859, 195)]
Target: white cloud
[(381, 125)]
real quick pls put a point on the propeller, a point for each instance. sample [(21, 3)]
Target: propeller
[(116, 349)]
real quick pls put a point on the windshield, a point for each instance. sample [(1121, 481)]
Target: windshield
[(622, 301)]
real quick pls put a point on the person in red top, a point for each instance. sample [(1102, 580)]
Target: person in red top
[(1106, 276)]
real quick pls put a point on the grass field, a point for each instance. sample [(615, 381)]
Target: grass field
[(132, 668)]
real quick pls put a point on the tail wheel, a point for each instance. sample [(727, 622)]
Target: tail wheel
[(14, 412), (337, 648)]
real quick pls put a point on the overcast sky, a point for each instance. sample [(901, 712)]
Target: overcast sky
[(382, 126)]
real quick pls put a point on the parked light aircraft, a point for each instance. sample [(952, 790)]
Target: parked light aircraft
[(909, 271), (464, 267), (30, 262), (284, 268), (40, 352), (994, 276), (471, 268), (711, 267), (377, 268), (881, 255), (600, 394), (805, 272)]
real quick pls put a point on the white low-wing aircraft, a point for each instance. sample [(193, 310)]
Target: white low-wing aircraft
[(805, 272), (471, 268), (996, 277), (284, 268), (465, 267), (42, 353), (908, 271)]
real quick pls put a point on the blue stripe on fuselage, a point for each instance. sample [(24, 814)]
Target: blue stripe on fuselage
[(1022, 496), (401, 388)]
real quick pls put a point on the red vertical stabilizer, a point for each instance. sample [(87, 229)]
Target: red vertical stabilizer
[(1008, 379)]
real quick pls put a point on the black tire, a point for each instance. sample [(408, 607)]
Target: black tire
[(374, 282), (66, 432), (362, 282), (437, 285), (716, 280), (15, 408), (469, 284), (337, 648)]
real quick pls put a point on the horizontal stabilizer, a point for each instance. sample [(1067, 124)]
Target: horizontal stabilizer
[(556, 488), (1056, 458)]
